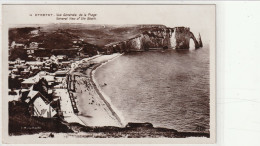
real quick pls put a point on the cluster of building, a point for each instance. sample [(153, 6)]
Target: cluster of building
[(42, 79), (42, 85), (36, 51)]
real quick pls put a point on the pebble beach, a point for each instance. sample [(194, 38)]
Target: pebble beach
[(94, 107)]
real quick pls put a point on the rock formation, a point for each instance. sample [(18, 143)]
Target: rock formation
[(157, 38), (200, 41)]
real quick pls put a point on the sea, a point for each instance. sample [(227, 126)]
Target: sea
[(168, 88)]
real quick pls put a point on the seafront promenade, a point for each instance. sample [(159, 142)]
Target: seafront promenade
[(67, 102), (67, 108)]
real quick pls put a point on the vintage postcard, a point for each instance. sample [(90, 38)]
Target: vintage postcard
[(108, 73)]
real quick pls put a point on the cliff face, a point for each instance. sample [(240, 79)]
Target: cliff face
[(157, 38)]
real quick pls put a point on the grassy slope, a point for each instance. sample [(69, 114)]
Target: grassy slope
[(109, 34), (100, 35), (59, 36), (20, 122)]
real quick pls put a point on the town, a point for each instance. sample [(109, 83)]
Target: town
[(43, 82)]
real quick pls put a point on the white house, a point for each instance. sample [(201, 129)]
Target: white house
[(40, 106), (27, 83), (42, 109), (35, 32), (14, 44)]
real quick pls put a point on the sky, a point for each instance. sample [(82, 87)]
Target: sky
[(200, 18)]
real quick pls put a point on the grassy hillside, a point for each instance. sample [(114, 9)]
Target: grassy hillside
[(99, 35), (20, 35), (106, 34), (20, 121), (60, 36)]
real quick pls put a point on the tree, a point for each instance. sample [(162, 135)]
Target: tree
[(18, 53), (14, 83)]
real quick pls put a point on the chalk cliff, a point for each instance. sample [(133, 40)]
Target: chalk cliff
[(157, 38)]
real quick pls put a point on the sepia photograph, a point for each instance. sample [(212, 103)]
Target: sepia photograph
[(109, 71)]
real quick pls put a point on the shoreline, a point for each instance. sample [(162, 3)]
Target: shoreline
[(95, 108), (102, 95)]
